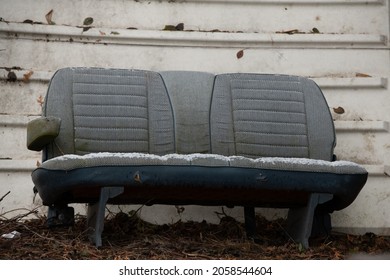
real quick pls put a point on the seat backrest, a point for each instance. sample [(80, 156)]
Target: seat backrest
[(110, 110), (253, 115), (190, 93), (258, 115)]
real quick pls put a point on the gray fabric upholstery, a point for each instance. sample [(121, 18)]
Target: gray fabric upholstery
[(132, 136), (41, 132), (190, 93), (252, 115), (257, 115), (111, 110), (69, 162), (58, 103), (321, 131)]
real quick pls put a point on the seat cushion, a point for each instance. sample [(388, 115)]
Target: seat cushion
[(70, 162), (202, 179)]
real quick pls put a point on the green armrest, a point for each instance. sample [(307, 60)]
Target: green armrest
[(42, 131)]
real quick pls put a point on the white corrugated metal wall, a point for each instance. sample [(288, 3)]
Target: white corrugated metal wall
[(342, 44)]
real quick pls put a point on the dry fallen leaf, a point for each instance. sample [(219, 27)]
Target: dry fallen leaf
[(88, 21), (240, 54), (362, 75), (289, 32), (27, 76), (179, 27), (49, 16), (315, 30), (201, 240), (11, 77), (169, 28), (102, 33), (339, 110), (40, 100)]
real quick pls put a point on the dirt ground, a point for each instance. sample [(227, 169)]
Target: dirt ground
[(126, 236)]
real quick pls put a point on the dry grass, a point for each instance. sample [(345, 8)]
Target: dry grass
[(128, 237)]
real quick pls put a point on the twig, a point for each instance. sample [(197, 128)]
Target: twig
[(5, 195), (223, 214), (20, 216), (139, 208), (195, 255), (286, 232), (44, 237)]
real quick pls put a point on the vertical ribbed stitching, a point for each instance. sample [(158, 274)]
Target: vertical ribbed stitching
[(73, 122), (147, 77), (232, 113), (109, 75), (261, 86), (210, 108), (306, 124), (172, 111), (45, 152)]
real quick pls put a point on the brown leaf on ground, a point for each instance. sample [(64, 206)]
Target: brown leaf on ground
[(126, 236)]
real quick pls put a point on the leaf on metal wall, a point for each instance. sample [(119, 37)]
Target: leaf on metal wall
[(40, 100), (240, 54), (315, 30), (339, 110), (49, 16), (362, 75), (88, 21), (289, 32), (27, 76), (29, 21), (178, 27), (11, 77), (169, 28)]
